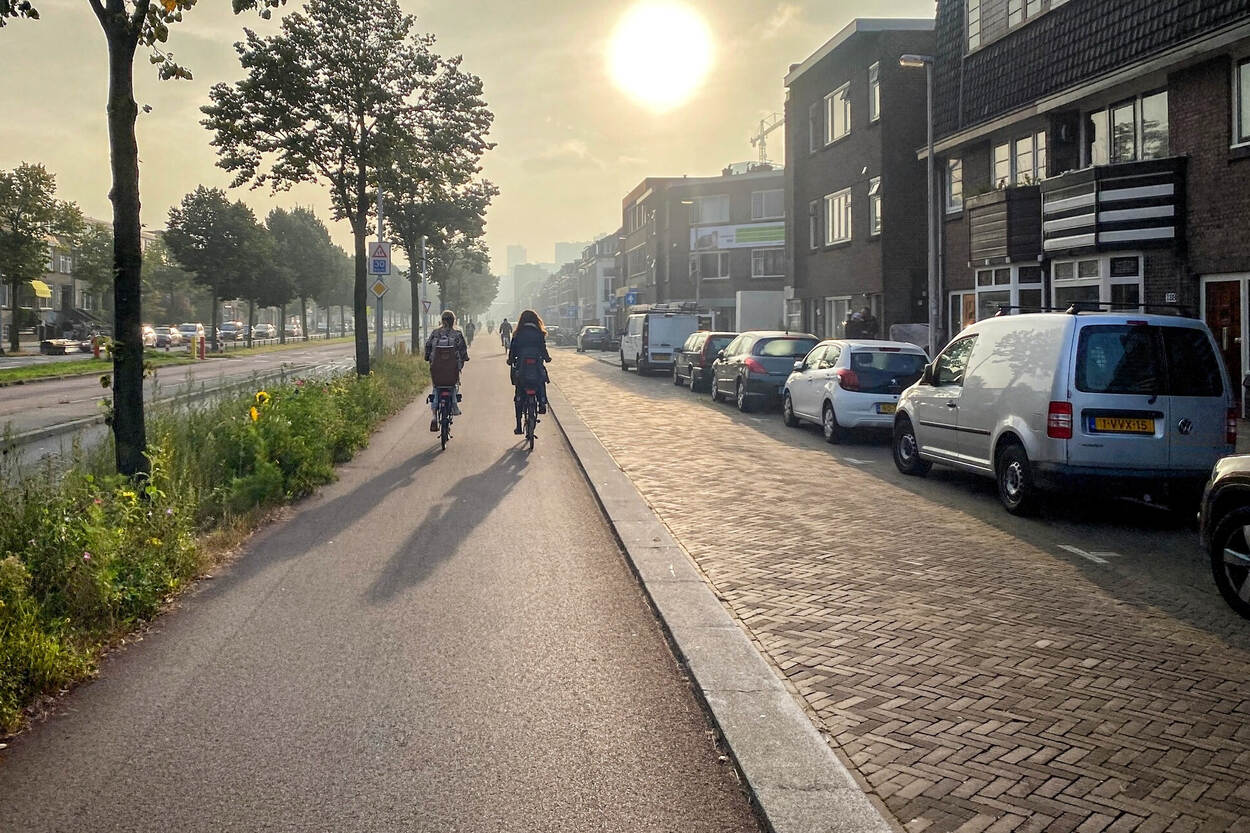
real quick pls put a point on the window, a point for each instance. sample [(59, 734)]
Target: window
[(44, 303), (1002, 165), (712, 209), (954, 185), (963, 311), (874, 206), (636, 260), (709, 265), (4, 295), (1021, 161), (836, 311), (838, 217), (1109, 279), (768, 205), (1019, 288), (1134, 360), (813, 225), (874, 92), (1024, 169), (1128, 131), (1015, 12), (838, 113), (1241, 107), (954, 361), (974, 24), (815, 129), (768, 263)]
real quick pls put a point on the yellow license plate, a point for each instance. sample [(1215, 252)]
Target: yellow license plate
[(886, 409), (1124, 425)]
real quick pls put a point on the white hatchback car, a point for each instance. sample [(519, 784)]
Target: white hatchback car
[(847, 384)]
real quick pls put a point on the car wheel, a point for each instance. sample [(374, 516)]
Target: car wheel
[(741, 398), (1230, 559), (694, 380), (712, 388), (1015, 480), (676, 375), (787, 411), (907, 451), (623, 365), (834, 433)]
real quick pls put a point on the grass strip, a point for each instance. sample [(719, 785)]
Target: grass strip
[(87, 556), (82, 367)]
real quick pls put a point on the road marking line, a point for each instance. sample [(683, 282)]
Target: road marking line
[(1096, 557), (855, 462)]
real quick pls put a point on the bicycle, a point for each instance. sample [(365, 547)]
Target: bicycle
[(530, 408), (506, 341), (445, 407)]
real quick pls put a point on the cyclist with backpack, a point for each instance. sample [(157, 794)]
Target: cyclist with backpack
[(530, 341), (505, 333), (446, 352)]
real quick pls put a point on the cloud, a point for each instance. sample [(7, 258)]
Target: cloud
[(784, 15), (569, 155)]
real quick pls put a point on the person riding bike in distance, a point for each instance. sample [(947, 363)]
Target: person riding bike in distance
[(505, 333), (530, 341), (446, 352)]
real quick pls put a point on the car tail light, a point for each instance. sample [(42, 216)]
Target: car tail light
[(1059, 421), (1230, 427), (753, 365), (848, 379)]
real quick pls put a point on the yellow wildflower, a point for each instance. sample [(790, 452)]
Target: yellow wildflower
[(254, 413), (262, 398)]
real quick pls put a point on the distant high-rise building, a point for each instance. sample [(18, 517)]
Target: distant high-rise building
[(569, 252), (516, 256)]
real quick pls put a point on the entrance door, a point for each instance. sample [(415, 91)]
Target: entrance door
[(1223, 305)]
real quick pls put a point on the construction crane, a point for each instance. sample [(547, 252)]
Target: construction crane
[(767, 125)]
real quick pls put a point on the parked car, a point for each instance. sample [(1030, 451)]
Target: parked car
[(264, 331), (1138, 404), (754, 367), (148, 335), (844, 385), (1223, 524), (294, 331), (592, 336), (652, 338), (232, 331), (191, 331), (167, 336), (693, 361), (555, 335)]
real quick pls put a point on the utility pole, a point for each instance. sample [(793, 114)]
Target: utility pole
[(378, 299)]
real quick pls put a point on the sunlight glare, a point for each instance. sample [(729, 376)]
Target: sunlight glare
[(660, 53)]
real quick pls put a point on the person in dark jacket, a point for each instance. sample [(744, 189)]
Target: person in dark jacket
[(529, 341)]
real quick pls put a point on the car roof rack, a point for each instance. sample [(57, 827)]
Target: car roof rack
[(1077, 307)]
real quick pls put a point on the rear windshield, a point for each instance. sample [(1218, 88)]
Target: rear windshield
[(595, 330), (718, 343), (881, 372), (785, 348), (1135, 359)]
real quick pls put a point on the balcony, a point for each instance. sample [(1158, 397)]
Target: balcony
[(1130, 205), (1005, 226)]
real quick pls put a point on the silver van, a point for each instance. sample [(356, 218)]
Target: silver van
[(1140, 404)]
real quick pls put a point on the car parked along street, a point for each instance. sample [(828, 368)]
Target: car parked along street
[(754, 367), (693, 362)]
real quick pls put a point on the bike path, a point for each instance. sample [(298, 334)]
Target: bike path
[(443, 641)]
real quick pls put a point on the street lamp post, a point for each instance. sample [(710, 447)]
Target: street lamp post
[(916, 62)]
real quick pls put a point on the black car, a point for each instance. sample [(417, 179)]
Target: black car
[(693, 363), (592, 336), (755, 365), (1224, 527)]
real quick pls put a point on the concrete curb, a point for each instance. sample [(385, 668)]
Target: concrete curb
[(795, 779)]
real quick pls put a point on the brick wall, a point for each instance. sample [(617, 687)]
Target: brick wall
[(1218, 179)]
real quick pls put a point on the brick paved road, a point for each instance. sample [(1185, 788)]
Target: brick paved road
[(976, 676)]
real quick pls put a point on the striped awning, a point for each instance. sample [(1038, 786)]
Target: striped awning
[(42, 290)]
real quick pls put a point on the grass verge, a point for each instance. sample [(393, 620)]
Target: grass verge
[(87, 556), (83, 367)]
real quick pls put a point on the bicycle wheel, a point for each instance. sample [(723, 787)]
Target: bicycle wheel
[(444, 421), (531, 420)]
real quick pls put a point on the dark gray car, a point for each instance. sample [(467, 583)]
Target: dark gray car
[(754, 367)]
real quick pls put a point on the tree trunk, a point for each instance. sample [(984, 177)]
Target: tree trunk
[(282, 325), (342, 321), (327, 323), (212, 335), (360, 301), (129, 434), (251, 320), (14, 342), (303, 318)]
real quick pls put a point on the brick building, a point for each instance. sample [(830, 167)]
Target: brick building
[(856, 191), (703, 240), (1092, 150)]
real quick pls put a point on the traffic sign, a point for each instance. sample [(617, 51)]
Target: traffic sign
[(426, 304), (379, 288), (379, 258), (631, 298)]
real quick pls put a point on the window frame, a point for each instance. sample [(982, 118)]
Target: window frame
[(830, 199), (949, 192), (1103, 117), (1105, 281), (940, 364), (874, 92), (722, 258), (972, 39), (874, 207), (1013, 286), (763, 195), (815, 128), (760, 255), (1241, 103), (842, 95), (814, 225), (700, 201)]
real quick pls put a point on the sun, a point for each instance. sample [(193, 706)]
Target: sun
[(660, 53)]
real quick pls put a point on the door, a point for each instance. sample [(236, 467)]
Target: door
[(936, 406), (1199, 402), (1223, 306), (721, 368), (803, 388), (824, 377)]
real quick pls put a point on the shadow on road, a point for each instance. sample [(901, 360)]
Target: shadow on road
[(450, 521)]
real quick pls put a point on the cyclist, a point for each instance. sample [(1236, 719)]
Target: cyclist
[(469, 330), (505, 333), (530, 342), (446, 352)]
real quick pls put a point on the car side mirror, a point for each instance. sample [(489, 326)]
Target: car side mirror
[(926, 375), (720, 356), (798, 366)]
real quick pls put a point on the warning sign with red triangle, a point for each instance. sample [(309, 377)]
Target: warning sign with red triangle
[(379, 258)]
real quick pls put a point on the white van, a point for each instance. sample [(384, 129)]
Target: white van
[(1134, 403), (652, 339)]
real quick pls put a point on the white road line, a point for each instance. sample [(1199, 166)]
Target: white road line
[(855, 462), (1096, 557)]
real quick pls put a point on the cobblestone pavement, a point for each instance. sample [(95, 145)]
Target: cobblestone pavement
[(977, 675)]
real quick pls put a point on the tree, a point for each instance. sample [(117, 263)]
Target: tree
[(340, 290), (93, 257), (169, 291), (302, 245), (334, 98), (462, 275), (30, 214), (127, 24), (219, 242)]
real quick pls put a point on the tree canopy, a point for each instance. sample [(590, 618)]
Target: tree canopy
[(303, 248)]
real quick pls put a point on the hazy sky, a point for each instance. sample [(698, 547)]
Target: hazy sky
[(570, 144)]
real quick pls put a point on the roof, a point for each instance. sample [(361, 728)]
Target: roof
[(874, 342), (861, 25)]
